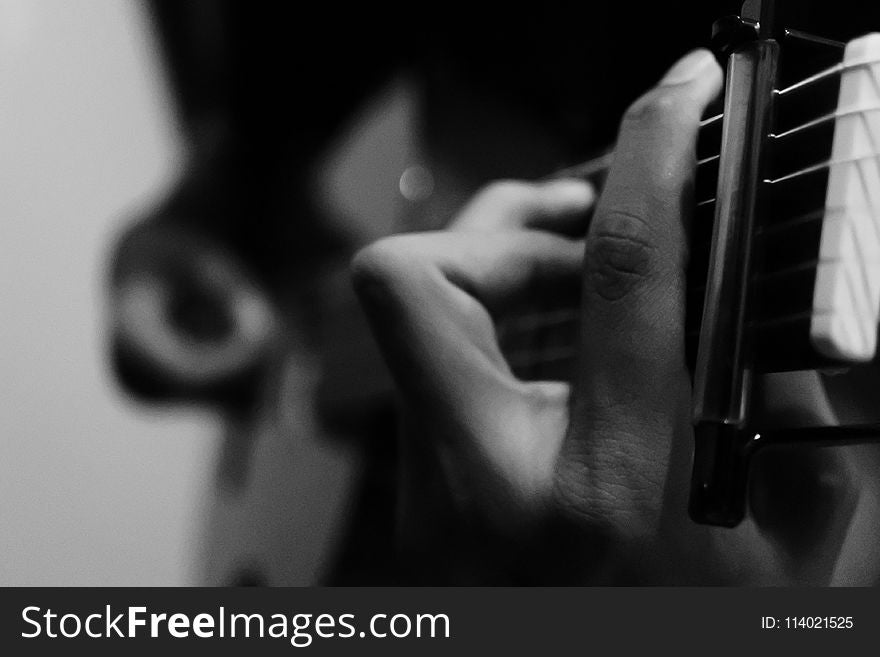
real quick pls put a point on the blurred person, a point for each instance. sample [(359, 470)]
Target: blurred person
[(233, 292)]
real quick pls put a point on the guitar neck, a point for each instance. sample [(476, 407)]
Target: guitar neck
[(785, 240)]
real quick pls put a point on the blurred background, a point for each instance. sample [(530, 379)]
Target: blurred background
[(94, 490), (98, 487)]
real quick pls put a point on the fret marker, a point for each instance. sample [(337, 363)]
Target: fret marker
[(846, 298)]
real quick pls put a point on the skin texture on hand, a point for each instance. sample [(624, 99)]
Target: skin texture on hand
[(564, 483)]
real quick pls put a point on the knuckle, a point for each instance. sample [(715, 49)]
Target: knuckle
[(620, 255), (612, 490), (502, 190), (603, 510), (378, 265)]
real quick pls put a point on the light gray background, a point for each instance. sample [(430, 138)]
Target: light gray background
[(93, 489)]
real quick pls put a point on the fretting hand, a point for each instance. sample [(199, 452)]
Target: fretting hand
[(543, 481)]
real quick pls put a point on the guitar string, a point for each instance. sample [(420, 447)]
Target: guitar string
[(530, 325), (602, 164), (825, 119), (813, 168), (595, 166), (530, 357), (564, 322), (837, 69), (814, 213), (800, 173)]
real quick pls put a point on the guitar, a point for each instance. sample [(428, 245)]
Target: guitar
[(252, 533), (792, 280), (784, 277)]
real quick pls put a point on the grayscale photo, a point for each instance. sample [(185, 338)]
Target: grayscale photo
[(440, 295)]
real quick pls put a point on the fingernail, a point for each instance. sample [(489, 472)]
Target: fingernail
[(576, 191), (688, 67)]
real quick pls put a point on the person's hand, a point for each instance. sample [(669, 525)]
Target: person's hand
[(545, 481)]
